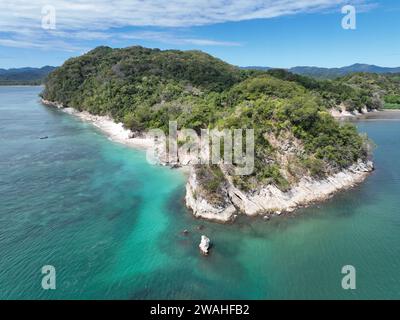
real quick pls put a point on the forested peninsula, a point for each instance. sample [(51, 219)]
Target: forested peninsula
[(302, 153)]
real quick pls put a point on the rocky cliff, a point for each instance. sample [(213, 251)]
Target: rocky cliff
[(269, 200)]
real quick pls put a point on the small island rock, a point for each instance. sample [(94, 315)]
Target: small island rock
[(204, 245)]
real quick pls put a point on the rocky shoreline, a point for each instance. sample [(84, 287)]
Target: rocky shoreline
[(341, 113), (269, 200), (266, 201)]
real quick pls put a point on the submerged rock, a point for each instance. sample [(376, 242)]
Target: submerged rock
[(204, 245)]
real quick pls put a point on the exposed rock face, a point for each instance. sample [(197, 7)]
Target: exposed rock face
[(202, 207), (342, 113), (204, 245), (269, 199)]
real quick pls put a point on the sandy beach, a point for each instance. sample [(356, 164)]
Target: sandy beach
[(386, 114), (115, 131)]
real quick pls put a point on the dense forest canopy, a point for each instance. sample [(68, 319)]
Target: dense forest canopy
[(146, 88), (384, 88)]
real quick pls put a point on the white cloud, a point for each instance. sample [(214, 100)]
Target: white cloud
[(25, 43), (103, 14), (172, 38), (93, 19)]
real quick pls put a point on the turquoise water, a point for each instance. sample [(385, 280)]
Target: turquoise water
[(111, 224)]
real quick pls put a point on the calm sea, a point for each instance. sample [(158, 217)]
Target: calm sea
[(111, 224)]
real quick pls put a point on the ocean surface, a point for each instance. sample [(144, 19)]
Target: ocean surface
[(111, 224)]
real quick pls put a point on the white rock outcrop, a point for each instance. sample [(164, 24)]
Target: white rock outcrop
[(341, 113), (201, 207), (269, 200), (204, 245)]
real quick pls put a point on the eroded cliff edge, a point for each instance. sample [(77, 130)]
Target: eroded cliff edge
[(269, 200)]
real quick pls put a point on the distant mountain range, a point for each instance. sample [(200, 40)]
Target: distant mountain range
[(24, 75), (330, 73)]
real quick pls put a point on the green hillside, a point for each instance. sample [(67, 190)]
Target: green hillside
[(385, 88), (147, 88)]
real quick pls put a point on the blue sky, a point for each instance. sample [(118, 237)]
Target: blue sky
[(276, 33)]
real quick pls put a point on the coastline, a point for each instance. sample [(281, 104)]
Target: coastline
[(115, 131), (371, 115), (270, 201), (267, 201), (384, 114), (341, 113)]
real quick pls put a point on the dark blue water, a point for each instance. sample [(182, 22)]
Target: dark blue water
[(111, 224)]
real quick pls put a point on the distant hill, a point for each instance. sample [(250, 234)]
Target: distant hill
[(331, 73), (24, 76), (257, 68)]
